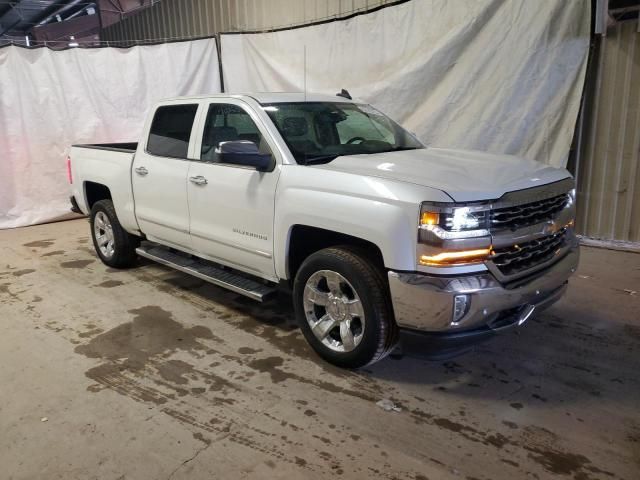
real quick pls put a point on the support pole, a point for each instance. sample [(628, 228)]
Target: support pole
[(218, 40)]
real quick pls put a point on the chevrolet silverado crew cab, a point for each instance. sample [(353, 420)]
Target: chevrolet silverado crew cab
[(379, 238)]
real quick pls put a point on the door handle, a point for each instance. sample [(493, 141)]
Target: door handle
[(199, 180), (141, 171)]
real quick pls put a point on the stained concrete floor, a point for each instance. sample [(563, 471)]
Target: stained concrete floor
[(151, 374)]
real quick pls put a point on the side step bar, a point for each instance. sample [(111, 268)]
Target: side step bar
[(208, 272)]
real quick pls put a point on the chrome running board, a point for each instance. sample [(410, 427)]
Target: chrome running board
[(208, 272)]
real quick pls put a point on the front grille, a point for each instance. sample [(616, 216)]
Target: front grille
[(519, 258), (528, 213)]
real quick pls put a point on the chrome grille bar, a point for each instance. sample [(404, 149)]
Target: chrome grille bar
[(518, 258), (528, 213)]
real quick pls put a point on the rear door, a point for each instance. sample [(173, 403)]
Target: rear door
[(232, 206), (159, 175)]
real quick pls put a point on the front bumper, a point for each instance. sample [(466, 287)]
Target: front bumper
[(424, 303)]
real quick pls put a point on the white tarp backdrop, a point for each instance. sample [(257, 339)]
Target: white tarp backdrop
[(490, 75), (51, 99)]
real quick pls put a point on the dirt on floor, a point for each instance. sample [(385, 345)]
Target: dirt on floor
[(148, 373)]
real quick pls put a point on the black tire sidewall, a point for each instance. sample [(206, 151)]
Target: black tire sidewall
[(367, 289), (123, 254)]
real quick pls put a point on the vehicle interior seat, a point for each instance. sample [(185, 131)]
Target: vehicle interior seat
[(217, 135), (296, 132)]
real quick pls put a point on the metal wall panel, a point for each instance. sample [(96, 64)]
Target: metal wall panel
[(194, 18), (608, 171)]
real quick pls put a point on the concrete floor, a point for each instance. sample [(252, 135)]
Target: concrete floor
[(151, 374)]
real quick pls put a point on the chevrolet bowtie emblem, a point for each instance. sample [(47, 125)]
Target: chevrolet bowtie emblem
[(551, 228)]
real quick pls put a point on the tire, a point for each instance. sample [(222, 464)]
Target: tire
[(348, 335), (120, 249)]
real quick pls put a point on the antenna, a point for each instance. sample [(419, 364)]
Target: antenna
[(344, 93), (304, 63)]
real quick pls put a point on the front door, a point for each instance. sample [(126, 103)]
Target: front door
[(159, 176), (231, 206)]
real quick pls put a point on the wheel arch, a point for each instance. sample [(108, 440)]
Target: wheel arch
[(304, 240), (94, 192)]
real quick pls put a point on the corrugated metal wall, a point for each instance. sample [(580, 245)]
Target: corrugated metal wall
[(195, 18), (608, 168)]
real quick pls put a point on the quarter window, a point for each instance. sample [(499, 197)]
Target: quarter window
[(170, 130)]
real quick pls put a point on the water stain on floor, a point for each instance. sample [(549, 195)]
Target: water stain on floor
[(76, 263), (146, 342), (26, 271), (110, 284), (90, 333), (39, 243), (138, 360), (152, 331), (54, 253), (125, 357)]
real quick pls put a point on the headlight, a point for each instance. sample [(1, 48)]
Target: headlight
[(455, 219), (446, 222), (462, 218), (453, 235)]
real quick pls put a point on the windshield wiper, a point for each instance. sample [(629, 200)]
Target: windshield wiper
[(400, 149), (319, 159)]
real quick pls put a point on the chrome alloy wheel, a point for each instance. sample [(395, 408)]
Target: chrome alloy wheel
[(103, 232), (334, 311)]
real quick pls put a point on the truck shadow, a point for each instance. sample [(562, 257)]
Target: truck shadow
[(555, 358)]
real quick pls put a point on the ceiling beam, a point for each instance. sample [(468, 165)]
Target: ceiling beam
[(23, 15), (11, 18)]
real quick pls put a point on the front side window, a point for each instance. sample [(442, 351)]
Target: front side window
[(170, 131), (228, 123), (318, 132)]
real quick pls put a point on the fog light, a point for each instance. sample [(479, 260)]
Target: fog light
[(460, 308)]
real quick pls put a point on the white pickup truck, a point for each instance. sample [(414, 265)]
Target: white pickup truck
[(379, 238)]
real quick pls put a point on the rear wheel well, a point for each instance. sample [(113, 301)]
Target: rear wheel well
[(95, 192), (305, 240)]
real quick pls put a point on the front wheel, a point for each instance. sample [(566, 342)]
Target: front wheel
[(342, 305), (114, 245)]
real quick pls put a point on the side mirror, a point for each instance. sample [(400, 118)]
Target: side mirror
[(244, 152)]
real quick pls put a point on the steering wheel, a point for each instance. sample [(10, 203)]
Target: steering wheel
[(355, 139)]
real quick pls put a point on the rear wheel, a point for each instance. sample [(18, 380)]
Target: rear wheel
[(114, 245), (343, 308)]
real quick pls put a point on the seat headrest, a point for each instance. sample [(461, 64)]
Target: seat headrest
[(295, 126), (224, 134)]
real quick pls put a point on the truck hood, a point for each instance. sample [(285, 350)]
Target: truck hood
[(464, 175)]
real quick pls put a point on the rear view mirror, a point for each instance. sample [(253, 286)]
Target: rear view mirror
[(244, 152)]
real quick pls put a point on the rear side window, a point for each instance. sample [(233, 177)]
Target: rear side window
[(170, 131)]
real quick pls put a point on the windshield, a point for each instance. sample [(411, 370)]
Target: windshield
[(318, 132)]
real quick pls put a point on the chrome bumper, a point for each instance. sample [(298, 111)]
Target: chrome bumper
[(425, 303)]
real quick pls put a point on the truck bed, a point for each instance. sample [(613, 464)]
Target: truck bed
[(107, 164), (128, 147)]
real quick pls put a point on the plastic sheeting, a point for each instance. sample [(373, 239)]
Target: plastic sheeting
[(52, 99), (496, 76), (490, 75)]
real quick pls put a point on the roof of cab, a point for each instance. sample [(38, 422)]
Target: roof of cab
[(271, 97)]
